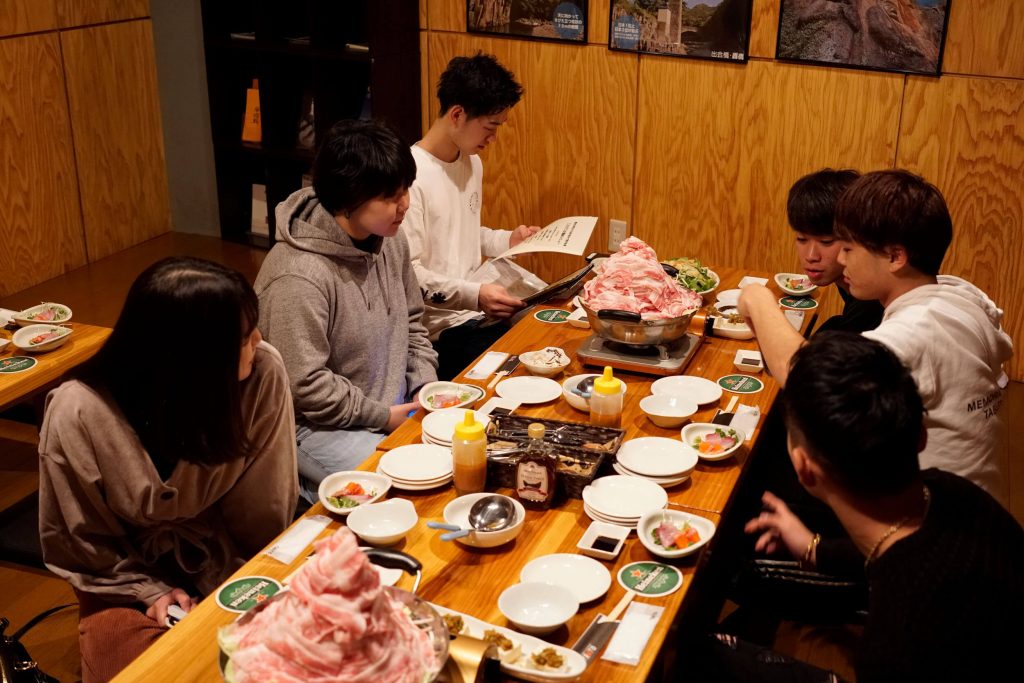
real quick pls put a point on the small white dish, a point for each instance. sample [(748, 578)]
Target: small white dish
[(418, 462), (724, 328), (51, 337), (528, 390), (537, 608), (440, 425), (408, 486), (457, 513), (729, 297), (438, 395), (44, 314), (664, 482), (624, 497), (598, 538), (578, 318), (384, 523), (652, 520), (748, 361), (656, 456), (701, 391), (668, 411), (575, 400), (585, 578), (546, 362), (627, 525), (788, 283), (692, 433), (375, 485)]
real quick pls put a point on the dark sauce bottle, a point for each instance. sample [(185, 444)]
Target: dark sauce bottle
[(536, 471)]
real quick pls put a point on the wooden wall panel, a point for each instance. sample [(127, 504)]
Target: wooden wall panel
[(966, 135), (597, 21), (83, 12), (764, 28), (423, 14), (446, 15), (27, 16), (986, 37), (115, 116), (40, 219), (719, 145), (567, 148)]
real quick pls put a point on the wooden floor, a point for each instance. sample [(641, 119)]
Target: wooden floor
[(95, 294)]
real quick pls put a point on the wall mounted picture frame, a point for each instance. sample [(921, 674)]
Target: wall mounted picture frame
[(905, 36), (558, 20), (702, 29)]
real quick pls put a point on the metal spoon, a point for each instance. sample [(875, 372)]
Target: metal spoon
[(585, 387), (490, 513)]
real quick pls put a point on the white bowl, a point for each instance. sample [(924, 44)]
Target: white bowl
[(668, 411), (30, 316), (697, 430), (537, 607), (577, 401), (466, 393), (23, 337), (780, 280), (384, 523), (457, 513), (652, 520), (370, 481), (533, 363)]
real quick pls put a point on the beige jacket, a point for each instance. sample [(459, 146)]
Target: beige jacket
[(112, 528)]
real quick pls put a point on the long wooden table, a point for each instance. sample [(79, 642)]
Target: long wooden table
[(468, 579), (85, 341)]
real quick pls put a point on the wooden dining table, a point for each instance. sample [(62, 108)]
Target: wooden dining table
[(469, 580), (50, 366)]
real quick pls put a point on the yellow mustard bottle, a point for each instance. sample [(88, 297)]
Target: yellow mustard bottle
[(469, 455), (606, 400)]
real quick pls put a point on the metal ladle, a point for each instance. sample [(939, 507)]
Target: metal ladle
[(490, 513)]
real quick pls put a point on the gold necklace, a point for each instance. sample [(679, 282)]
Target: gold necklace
[(897, 526)]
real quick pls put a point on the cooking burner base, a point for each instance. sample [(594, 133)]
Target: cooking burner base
[(661, 359)]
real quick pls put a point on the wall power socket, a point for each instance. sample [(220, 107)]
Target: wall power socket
[(617, 232)]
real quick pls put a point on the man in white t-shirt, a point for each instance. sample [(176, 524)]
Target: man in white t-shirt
[(442, 225), (895, 229)]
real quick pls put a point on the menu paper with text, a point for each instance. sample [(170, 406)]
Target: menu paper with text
[(565, 236)]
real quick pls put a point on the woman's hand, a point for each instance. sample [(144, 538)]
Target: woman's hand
[(158, 610), (399, 414), (779, 527), (521, 233)]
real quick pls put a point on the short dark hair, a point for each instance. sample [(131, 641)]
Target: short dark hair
[(897, 208), (184, 404), (479, 84), (811, 205), (856, 410), (359, 161)]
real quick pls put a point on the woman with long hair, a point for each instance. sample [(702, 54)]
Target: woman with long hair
[(169, 461)]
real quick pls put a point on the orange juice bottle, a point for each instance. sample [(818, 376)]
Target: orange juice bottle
[(469, 455)]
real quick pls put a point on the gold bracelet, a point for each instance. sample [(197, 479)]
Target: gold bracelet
[(805, 563)]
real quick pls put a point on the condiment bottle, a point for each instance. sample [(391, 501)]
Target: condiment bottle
[(469, 455), (606, 401), (536, 471)]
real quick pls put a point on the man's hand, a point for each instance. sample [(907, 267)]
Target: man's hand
[(779, 528), (521, 233), (399, 414), (776, 337), (158, 610), (496, 302)]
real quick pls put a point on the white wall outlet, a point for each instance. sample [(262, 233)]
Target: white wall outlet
[(617, 232)]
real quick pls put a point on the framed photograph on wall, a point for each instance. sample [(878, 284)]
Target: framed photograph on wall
[(705, 29), (562, 20), (890, 35)]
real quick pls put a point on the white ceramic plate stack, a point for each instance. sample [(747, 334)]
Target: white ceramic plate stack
[(417, 467), (622, 500), (439, 426), (665, 462)]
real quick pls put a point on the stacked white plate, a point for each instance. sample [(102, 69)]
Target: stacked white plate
[(439, 426), (699, 390), (622, 500), (417, 467), (665, 462)]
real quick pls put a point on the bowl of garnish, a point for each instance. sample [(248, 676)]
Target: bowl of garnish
[(545, 362), (343, 492), (711, 441), (695, 276), (440, 395), (794, 283), (384, 523), (674, 533), (43, 313), (39, 338)]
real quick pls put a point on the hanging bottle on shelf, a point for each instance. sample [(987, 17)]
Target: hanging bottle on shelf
[(252, 129)]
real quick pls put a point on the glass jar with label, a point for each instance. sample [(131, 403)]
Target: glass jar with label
[(536, 471), (469, 455)]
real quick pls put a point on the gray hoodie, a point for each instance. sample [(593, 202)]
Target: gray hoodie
[(346, 321)]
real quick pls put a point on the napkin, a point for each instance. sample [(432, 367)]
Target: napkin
[(297, 538), (630, 639)]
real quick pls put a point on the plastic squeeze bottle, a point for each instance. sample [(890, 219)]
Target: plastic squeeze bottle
[(469, 455), (606, 400)]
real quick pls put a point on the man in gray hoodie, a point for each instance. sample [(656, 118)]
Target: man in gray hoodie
[(340, 301)]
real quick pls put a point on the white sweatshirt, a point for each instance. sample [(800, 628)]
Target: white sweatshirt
[(446, 240), (948, 335)]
